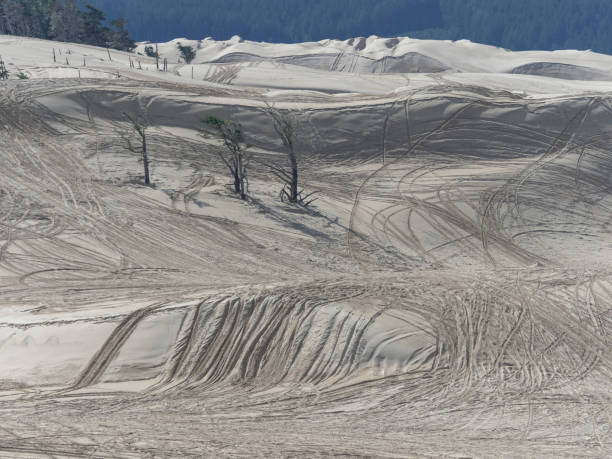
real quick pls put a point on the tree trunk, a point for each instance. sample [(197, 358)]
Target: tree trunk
[(242, 191), (294, 177), (145, 160), (236, 180)]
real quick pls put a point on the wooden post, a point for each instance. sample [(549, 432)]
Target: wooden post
[(384, 143)]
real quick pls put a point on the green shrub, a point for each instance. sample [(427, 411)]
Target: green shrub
[(150, 51), (187, 53)]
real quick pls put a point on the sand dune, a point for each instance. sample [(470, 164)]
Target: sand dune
[(407, 63), (447, 294), (564, 71)]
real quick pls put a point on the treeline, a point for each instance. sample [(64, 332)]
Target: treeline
[(63, 21), (272, 20), (527, 24), (513, 24)]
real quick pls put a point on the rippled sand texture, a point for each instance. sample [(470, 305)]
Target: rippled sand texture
[(448, 294)]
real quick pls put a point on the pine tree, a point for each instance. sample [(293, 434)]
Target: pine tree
[(67, 22), (62, 20), (95, 33), (14, 18), (120, 37)]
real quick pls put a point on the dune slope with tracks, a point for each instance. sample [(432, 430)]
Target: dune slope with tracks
[(449, 293)]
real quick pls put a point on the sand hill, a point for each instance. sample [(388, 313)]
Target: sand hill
[(449, 292)]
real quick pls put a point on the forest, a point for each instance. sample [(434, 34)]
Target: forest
[(512, 24), (68, 21)]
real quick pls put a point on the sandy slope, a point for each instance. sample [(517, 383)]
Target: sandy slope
[(448, 294)]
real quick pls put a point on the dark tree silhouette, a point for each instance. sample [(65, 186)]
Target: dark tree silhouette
[(286, 126), (237, 158), (187, 52), (139, 125)]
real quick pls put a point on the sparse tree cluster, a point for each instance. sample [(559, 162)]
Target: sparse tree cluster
[(237, 157), (66, 20)]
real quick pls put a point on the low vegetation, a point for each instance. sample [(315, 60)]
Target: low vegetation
[(187, 52), (150, 51)]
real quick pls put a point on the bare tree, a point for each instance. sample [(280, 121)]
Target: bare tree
[(139, 125), (4, 73), (286, 127), (237, 159)]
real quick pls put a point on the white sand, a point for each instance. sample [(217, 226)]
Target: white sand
[(448, 294)]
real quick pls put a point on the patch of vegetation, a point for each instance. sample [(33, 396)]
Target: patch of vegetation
[(187, 53), (151, 52)]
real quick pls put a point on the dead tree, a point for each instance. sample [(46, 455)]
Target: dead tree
[(286, 127), (4, 73), (139, 126), (237, 159)]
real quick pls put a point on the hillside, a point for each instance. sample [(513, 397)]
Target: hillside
[(447, 294)]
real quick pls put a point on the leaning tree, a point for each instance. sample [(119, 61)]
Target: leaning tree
[(139, 125), (236, 157), (286, 127)]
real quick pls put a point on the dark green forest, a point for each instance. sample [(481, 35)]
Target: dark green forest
[(512, 24), (66, 20)]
